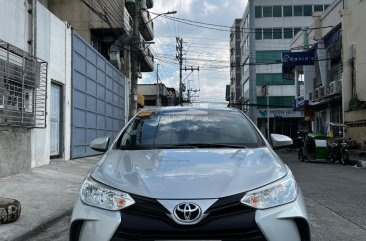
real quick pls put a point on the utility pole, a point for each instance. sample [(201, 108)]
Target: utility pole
[(157, 85), (179, 57), (134, 60), (189, 90)]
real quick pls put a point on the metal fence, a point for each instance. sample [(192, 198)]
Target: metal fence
[(23, 88)]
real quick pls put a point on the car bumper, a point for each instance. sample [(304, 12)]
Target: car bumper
[(286, 222)]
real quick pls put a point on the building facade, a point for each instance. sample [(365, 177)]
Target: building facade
[(59, 91), (235, 70), (35, 53), (267, 29), (157, 95), (335, 85)]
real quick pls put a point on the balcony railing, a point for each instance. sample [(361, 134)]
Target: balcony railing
[(23, 88), (335, 73)]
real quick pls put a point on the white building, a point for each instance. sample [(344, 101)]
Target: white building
[(267, 30)]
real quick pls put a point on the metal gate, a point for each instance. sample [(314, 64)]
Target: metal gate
[(98, 98)]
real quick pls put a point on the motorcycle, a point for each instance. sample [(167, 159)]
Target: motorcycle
[(298, 141), (338, 151), (338, 146)]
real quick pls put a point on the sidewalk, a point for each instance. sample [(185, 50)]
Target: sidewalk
[(45, 193), (358, 157)]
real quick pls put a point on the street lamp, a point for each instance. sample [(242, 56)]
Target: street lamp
[(134, 56), (159, 14)]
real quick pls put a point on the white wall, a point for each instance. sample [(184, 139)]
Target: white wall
[(53, 46), (354, 33), (14, 23)]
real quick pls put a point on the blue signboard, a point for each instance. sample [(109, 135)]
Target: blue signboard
[(300, 103), (298, 58)]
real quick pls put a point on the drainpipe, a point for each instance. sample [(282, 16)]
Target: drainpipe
[(33, 27)]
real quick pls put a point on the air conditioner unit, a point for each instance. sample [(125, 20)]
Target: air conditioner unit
[(335, 87), (321, 92)]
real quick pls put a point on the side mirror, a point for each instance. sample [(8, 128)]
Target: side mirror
[(278, 140), (100, 144)]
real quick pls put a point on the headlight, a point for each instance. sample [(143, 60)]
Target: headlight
[(275, 194), (101, 196)]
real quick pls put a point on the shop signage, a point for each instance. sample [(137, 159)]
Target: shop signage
[(300, 103), (297, 58), (280, 112)]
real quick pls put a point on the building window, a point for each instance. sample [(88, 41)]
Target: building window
[(258, 11), (258, 33), (325, 7), (296, 30), (318, 8), (308, 10), (267, 33), (288, 33), (298, 10), (287, 11), (267, 12), (277, 33), (246, 66), (277, 11), (268, 56)]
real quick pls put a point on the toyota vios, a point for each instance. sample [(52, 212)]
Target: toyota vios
[(188, 173)]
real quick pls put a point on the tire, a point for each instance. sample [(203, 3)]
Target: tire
[(289, 148), (331, 157), (342, 158), (301, 155), (9, 210)]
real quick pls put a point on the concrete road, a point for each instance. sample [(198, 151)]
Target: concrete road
[(59, 231), (335, 196)]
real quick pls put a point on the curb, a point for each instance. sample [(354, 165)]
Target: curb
[(358, 163), (42, 226)]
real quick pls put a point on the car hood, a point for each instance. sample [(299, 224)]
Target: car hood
[(189, 173)]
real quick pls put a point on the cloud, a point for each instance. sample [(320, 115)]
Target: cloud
[(202, 46), (209, 8)]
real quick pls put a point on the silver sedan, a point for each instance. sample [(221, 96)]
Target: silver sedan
[(190, 173)]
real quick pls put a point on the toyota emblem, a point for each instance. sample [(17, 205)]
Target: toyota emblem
[(187, 212)]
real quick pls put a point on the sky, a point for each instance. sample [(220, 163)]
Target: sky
[(204, 47)]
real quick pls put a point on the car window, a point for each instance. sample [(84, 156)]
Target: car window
[(184, 127)]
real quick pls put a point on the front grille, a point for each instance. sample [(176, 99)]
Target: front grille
[(227, 219)]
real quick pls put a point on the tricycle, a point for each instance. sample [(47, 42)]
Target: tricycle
[(331, 147), (314, 147)]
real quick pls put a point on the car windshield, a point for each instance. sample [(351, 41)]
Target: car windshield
[(192, 128)]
